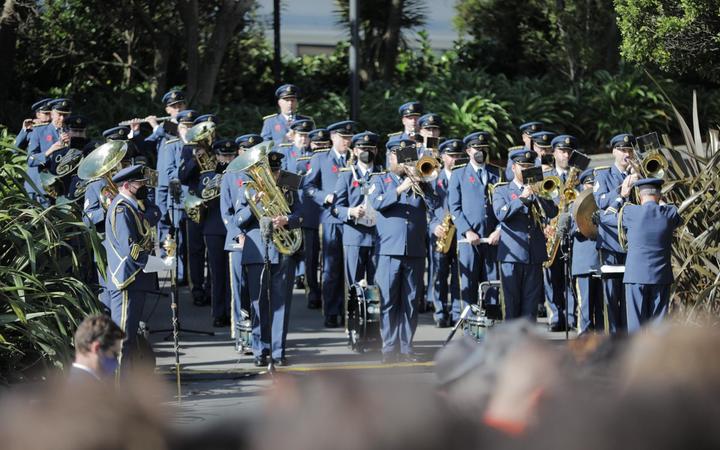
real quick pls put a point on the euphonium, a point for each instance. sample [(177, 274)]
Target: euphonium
[(202, 135), (443, 245), (272, 203), (102, 163)]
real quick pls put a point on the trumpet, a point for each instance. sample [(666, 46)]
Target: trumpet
[(428, 168), (125, 123)]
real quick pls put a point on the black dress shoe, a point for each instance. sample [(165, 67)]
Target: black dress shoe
[(556, 327), (409, 358), (260, 361), (331, 321), (541, 312), (314, 304), (222, 321), (422, 306), (388, 358), (200, 300), (300, 282)]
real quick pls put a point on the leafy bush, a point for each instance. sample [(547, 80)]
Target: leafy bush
[(44, 258)]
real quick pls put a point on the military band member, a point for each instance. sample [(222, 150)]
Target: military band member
[(608, 197), (42, 118), (471, 205), (276, 126), (230, 204), (402, 203), (585, 261), (44, 141), (321, 180), (268, 333), (189, 175), (444, 265), (526, 131), (648, 272), (353, 207), (128, 243), (429, 127), (522, 248), (557, 292), (410, 113)]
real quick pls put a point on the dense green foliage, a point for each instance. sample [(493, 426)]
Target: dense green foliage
[(44, 259), (681, 37)]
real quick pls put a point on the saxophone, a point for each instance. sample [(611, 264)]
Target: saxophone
[(443, 245), (567, 196)]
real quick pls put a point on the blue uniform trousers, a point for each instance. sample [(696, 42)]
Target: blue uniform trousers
[(333, 289), (522, 288), (360, 264), (646, 303), (269, 333), (126, 307), (103, 294), (218, 264), (311, 256), (195, 257), (399, 279), (590, 311), (614, 293), (557, 293), (476, 263), (238, 289), (445, 265)]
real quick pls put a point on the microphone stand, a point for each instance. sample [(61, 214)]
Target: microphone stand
[(266, 230), (567, 273)]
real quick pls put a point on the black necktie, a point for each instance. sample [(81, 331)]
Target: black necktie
[(342, 161)]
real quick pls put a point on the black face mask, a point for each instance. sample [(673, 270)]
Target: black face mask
[(142, 192), (479, 157), (366, 157)]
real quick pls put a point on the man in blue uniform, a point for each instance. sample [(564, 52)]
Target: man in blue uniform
[(526, 131), (402, 204), (44, 142), (276, 126), (190, 174), (608, 197), (321, 180), (478, 230), (429, 125), (42, 118), (353, 207), (557, 291), (269, 332), (230, 204), (410, 113), (585, 261), (522, 241), (444, 265), (648, 272), (128, 242)]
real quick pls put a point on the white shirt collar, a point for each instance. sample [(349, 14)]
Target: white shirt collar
[(476, 166), (338, 155), (448, 173), (130, 199), (86, 369), (517, 183)]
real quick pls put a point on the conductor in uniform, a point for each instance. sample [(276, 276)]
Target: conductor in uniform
[(471, 206), (402, 205), (522, 248)]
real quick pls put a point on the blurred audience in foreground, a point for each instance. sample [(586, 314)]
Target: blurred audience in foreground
[(659, 389)]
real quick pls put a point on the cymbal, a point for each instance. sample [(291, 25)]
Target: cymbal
[(582, 213)]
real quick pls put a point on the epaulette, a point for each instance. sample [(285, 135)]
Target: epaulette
[(322, 150), (304, 158), (515, 147), (285, 144), (600, 168), (171, 141), (269, 116), (345, 169), (459, 166), (378, 173), (398, 133), (500, 183)]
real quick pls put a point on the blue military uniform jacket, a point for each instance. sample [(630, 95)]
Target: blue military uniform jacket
[(509, 175), (650, 228), (127, 246), (322, 178), (607, 196), (22, 140), (470, 202), (167, 170), (93, 210), (585, 258), (254, 249), (230, 191), (309, 210), (521, 239), (350, 192), (442, 199), (276, 126), (401, 219), (40, 140), (214, 224)]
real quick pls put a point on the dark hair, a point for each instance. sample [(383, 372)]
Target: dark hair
[(98, 327)]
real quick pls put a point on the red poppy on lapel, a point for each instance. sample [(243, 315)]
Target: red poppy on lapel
[(307, 166), (278, 127), (472, 179), (440, 183), (48, 138), (239, 182), (513, 196), (334, 168), (293, 153), (388, 180), (355, 183)]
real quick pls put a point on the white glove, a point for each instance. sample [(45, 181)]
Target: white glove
[(157, 264)]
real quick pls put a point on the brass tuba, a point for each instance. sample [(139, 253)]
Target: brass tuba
[(102, 163), (255, 165)]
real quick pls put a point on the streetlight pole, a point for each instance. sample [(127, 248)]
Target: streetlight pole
[(276, 41), (353, 56)]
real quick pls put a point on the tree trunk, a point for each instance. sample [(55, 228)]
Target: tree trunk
[(229, 17), (161, 59), (189, 14), (8, 37), (391, 39)]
